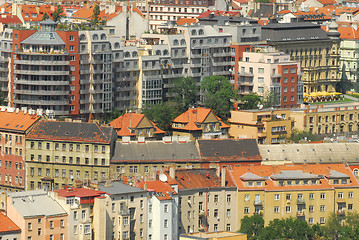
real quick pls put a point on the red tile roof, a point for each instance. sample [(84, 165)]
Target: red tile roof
[(184, 21), (17, 121), (194, 116), (327, 2), (130, 120), (9, 19), (263, 22), (220, 13), (242, 1), (7, 225), (270, 185), (79, 192), (6, 7), (163, 189), (348, 33), (201, 178), (39, 12)]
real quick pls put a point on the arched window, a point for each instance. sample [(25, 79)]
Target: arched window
[(134, 54), (103, 36), (356, 172), (117, 45), (95, 37), (175, 42), (165, 52), (158, 52), (194, 32), (127, 54), (183, 42), (201, 32), (82, 37)]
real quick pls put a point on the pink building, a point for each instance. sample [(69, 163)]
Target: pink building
[(265, 71), (38, 215)]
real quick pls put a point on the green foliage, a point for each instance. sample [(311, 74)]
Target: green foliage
[(271, 99), (250, 101), (2, 99), (58, 13), (297, 135), (95, 18), (218, 94), (45, 16), (109, 116), (252, 226), (185, 92), (163, 114)]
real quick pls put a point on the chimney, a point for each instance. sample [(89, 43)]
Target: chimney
[(145, 187), (223, 177), (172, 171), (218, 170)]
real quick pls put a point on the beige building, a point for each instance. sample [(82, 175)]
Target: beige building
[(308, 192), (327, 118), (208, 200), (214, 236), (122, 214), (61, 153), (267, 126)]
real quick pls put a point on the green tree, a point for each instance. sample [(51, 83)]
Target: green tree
[(252, 226), (250, 101), (109, 116), (95, 18), (219, 95), (45, 16), (333, 228), (185, 92), (163, 114), (2, 99), (58, 13), (271, 99), (289, 228), (297, 135)]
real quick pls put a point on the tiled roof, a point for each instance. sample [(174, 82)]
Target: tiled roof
[(79, 192), (322, 171), (39, 12), (17, 121), (219, 13), (327, 2), (7, 226), (71, 131), (200, 178), (7, 7), (84, 13), (348, 33), (183, 21), (130, 120), (241, 1), (194, 116), (162, 189), (9, 19), (229, 149)]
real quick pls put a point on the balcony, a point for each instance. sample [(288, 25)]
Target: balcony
[(41, 72), (124, 212), (221, 73), (41, 102), (300, 214), (258, 202), (341, 212), (245, 83), (35, 62), (300, 201), (246, 74), (222, 54), (29, 82), (41, 92), (201, 212)]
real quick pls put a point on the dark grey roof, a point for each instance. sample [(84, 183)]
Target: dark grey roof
[(264, 11), (296, 31), (72, 131), (116, 188), (235, 149), (48, 21), (222, 19), (44, 38), (293, 174), (155, 150)]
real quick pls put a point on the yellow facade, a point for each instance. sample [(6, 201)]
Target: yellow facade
[(267, 126), (54, 164)]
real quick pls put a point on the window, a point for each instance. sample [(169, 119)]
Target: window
[(311, 208), (350, 194), (166, 208), (261, 79), (287, 209), (322, 208), (75, 229), (246, 197), (276, 209), (87, 229), (260, 89), (83, 214), (228, 227), (350, 206), (29, 227), (141, 218), (51, 224), (246, 210), (311, 196), (215, 227), (215, 198), (215, 213), (125, 221), (260, 70), (165, 223), (39, 231), (310, 220), (228, 212), (340, 195), (62, 223), (72, 38), (228, 198), (276, 196), (285, 70), (150, 223), (322, 220), (292, 70), (322, 196)]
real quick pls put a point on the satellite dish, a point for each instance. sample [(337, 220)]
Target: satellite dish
[(163, 177)]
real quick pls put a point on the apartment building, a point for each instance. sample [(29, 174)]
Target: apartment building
[(38, 215), (197, 123), (122, 213), (266, 126), (14, 125), (327, 119), (309, 192), (162, 211), (207, 200), (78, 203), (316, 50), (64, 72), (266, 72), (54, 148)]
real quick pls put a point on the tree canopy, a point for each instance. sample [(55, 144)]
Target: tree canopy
[(45, 16), (250, 101), (252, 226), (219, 95), (95, 18), (185, 92), (297, 135), (58, 13)]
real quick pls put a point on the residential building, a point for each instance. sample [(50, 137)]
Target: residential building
[(304, 191), (78, 203), (122, 213), (327, 118), (214, 236), (265, 125), (54, 148), (8, 230), (199, 123), (316, 50), (136, 125), (14, 125), (38, 215), (208, 200), (162, 209), (268, 72)]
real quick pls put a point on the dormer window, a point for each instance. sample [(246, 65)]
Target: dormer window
[(281, 183), (305, 182), (34, 15), (26, 15), (250, 184), (344, 181), (259, 184), (289, 183), (335, 181)]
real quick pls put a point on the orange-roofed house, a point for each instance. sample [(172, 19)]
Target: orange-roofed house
[(208, 199), (307, 191), (14, 126), (8, 229), (134, 125), (163, 208), (199, 123)]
